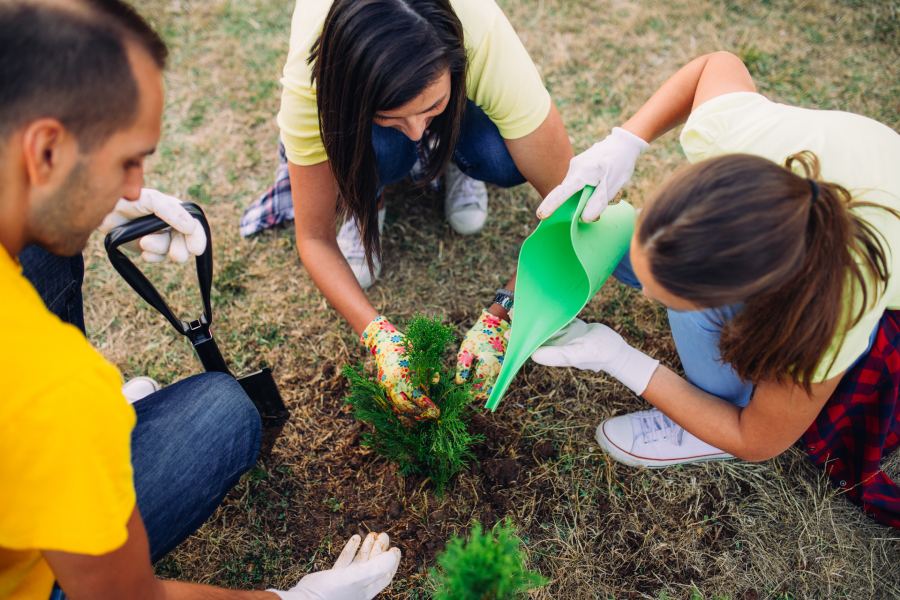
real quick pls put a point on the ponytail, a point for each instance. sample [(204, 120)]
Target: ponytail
[(778, 240)]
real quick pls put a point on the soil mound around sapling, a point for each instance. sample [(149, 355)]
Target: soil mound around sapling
[(435, 449)]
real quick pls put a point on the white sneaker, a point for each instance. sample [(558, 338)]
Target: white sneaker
[(465, 202), (350, 242), (138, 388), (649, 438)]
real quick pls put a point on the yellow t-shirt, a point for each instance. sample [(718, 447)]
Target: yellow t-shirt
[(856, 152), (65, 442), (501, 77)]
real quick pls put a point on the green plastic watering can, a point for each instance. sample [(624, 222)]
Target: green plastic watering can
[(562, 265)]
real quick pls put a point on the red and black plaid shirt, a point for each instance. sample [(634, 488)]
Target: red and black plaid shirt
[(860, 426)]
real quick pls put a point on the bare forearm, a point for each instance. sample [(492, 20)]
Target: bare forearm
[(776, 417), (542, 156), (332, 275), (177, 590), (543, 159), (670, 105), (314, 192), (701, 79)]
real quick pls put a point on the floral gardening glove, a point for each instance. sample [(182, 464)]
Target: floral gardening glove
[(481, 354), (388, 346)]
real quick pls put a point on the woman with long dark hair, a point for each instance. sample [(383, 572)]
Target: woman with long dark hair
[(776, 254), (373, 88)]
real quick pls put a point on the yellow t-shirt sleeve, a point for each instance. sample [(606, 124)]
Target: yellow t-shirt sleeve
[(299, 123), (298, 118), (502, 78), (739, 122), (66, 474)]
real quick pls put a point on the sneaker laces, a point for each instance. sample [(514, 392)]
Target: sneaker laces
[(656, 426)]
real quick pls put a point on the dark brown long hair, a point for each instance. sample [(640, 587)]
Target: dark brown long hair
[(742, 229), (377, 55)]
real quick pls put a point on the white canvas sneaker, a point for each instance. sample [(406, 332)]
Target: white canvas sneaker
[(139, 388), (649, 438), (465, 202), (350, 242)]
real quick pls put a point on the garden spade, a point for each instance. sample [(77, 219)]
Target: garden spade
[(562, 265), (259, 386)]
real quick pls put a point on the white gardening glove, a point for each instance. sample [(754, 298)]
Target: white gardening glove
[(354, 576), (186, 237), (607, 165), (596, 347)]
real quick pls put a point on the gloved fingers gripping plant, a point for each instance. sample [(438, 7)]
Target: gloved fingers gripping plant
[(391, 350), (434, 442), (481, 353)]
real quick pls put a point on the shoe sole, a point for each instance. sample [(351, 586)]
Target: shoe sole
[(625, 457), (461, 230)]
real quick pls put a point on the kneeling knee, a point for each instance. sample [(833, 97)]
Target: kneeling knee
[(230, 413)]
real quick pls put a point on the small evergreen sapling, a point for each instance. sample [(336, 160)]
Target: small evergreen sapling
[(437, 449), (489, 565)]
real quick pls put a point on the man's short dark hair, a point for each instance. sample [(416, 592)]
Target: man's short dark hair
[(69, 61)]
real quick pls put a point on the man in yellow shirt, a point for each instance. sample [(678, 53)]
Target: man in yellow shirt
[(94, 489)]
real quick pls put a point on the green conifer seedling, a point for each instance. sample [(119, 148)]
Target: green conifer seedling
[(489, 565), (437, 449)]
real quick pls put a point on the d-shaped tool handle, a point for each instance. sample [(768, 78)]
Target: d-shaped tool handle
[(198, 329)]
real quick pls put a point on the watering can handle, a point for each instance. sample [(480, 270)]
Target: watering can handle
[(197, 330)]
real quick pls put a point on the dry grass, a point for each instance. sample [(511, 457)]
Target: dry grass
[(597, 529)]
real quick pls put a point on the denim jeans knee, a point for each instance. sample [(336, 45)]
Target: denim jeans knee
[(481, 151), (395, 154), (192, 442)]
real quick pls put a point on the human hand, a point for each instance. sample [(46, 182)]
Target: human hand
[(388, 346), (186, 237), (607, 165), (481, 353), (596, 347), (354, 576)]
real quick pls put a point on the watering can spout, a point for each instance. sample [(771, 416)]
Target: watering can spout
[(562, 265)]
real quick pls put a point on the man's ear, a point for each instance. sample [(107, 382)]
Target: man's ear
[(48, 149)]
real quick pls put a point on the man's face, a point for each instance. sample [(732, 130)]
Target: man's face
[(65, 215)]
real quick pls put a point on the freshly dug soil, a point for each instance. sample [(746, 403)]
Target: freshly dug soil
[(366, 493)]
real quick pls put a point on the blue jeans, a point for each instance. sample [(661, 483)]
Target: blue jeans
[(192, 442), (696, 335), (480, 152), (58, 281), (193, 439)]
